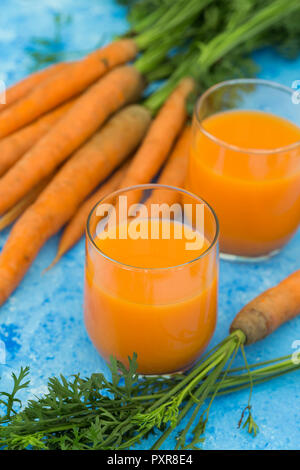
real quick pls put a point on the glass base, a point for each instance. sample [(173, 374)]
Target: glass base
[(248, 259)]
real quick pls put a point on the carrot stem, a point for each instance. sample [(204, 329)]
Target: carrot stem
[(196, 64)]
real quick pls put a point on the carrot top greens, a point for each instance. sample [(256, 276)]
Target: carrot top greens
[(97, 413), (226, 33)]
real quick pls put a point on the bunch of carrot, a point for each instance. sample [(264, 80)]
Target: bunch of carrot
[(72, 133), (63, 132)]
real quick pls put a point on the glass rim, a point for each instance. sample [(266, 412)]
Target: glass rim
[(236, 148), (153, 186)]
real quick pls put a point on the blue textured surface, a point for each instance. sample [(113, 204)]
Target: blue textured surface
[(42, 324)]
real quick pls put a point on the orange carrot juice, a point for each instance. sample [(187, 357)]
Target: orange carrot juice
[(246, 164), (151, 296)]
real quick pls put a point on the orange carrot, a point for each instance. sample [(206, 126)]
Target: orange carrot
[(20, 89), (15, 145), (65, 84), (80, 175), (76, 227), (174, 172), (160, 137), (269, 310), (122, 85), (158, 141)]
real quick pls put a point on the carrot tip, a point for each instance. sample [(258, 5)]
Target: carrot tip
[(54, 262)]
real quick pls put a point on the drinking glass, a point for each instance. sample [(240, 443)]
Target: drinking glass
[(151, 277), (254, 191)]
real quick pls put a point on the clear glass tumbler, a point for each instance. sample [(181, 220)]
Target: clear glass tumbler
[(245, 161), (151, 277)]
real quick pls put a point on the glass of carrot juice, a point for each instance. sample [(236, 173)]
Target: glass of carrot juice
[(151, 277), (245, 160)]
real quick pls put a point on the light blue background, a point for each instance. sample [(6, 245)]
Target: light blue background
[(42, 324)]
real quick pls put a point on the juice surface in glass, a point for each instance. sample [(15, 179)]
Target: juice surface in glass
[(151, 296), (246, 164)]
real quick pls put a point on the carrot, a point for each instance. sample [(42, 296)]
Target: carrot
[(122, 85), (160, 137), (269, 310), (76, 226), (65, 84), (15, 145), (174, 172), (80, 175), (20, 89), (10, 216)]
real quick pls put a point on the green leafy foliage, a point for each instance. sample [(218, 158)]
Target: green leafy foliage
[(74, 414), (97, 414), (249, 423), (286, 36)]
